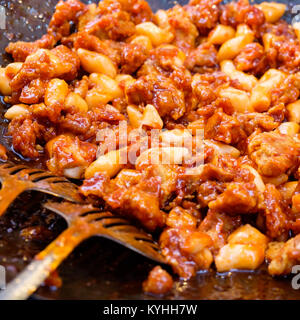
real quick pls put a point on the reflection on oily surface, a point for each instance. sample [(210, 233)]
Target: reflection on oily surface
[(24, 21), (100, 269)]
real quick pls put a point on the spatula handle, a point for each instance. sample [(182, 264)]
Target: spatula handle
[(29, 280), (44, 263)]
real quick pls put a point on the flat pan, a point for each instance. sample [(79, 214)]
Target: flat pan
[(100, 269)]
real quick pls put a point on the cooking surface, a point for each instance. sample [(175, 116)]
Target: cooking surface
[(99, 268)]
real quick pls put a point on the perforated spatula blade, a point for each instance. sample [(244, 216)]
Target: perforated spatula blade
[(16, 179), (84, 221)]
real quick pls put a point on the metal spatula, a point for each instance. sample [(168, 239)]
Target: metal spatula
[(16, 179), (84, 222)]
